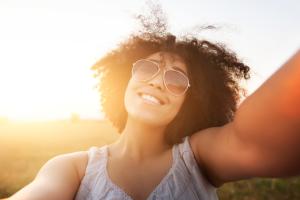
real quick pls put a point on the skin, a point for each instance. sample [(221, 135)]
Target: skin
[(256, 143)]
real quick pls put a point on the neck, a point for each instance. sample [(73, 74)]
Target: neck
[(140, 141)]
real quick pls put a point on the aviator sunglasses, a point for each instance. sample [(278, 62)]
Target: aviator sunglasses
[(175, 81)]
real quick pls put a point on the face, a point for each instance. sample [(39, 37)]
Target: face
[(146, 110)]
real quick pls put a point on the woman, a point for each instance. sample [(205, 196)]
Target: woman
[(173, 102)]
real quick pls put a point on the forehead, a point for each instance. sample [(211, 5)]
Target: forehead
[(169, 60)]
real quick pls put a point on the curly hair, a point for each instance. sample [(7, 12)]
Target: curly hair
[(213, 70)]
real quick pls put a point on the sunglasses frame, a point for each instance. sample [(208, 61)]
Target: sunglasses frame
[(158, 71)]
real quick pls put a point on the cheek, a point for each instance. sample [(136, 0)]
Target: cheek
[(175, 106), (128, 95)]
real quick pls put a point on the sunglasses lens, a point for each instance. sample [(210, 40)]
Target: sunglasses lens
[(143, 70), (176, 82)]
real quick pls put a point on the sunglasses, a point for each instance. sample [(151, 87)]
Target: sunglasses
[(176, 82)]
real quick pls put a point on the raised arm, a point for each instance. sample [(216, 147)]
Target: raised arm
[(270, 119), (58, 179), (263, 139)]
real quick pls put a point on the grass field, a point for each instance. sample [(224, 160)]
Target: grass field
[(25, 147)]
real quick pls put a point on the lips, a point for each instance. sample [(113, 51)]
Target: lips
[(161, 100)]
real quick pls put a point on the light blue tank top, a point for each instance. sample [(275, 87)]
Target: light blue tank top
[(183, 181)]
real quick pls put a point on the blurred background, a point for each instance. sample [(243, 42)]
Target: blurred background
[(48, 101)]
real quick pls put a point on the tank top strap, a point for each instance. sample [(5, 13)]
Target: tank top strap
[(197, 175), (95, 166), (186, 153)]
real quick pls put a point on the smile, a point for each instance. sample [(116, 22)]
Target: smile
[(150, 99)]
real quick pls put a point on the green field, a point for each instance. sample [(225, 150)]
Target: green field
[(25, 147)]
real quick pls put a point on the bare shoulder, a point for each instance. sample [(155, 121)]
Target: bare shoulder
[(74, 162), (78, 160), (59, 178), (223, 156)]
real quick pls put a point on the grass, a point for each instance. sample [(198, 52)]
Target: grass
[(25, 147)]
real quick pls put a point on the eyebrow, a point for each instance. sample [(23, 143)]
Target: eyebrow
[(173, 66)]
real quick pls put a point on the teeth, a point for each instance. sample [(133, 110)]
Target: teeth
[(150, 98)]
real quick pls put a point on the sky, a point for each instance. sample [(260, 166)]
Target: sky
[(47, 47)]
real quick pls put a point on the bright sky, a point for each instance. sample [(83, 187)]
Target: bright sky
[(48, 46)]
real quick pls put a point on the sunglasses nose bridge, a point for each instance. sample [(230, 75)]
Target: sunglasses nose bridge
[(158, 79)]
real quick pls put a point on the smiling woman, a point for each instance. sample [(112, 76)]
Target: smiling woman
[(173, 100)]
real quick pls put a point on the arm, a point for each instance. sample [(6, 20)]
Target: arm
[(58, 179), (270, 119), (263, 139)]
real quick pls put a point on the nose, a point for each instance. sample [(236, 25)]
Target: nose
[(157, 81)]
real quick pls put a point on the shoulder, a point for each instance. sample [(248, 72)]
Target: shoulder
[(202, 139), (59, 178), (79, 161), (224, 156), (75, 160), (69, 164), (204, 145)]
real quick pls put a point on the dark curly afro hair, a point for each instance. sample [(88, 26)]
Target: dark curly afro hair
[(214, 73)]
